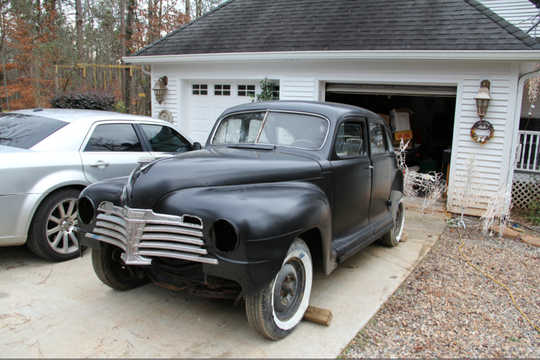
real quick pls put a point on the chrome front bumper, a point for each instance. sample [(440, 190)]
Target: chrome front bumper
[(143, 235)]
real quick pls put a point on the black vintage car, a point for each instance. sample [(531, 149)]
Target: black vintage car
[(279, 187)]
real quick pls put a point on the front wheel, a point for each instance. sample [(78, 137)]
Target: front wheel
[(275, 310), (111, 270), (393, 236)]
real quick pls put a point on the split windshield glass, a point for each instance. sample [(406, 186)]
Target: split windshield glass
[(24, 131), (272, 128)]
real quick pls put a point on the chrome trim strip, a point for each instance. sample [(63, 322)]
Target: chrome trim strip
[(172, 255), (108, 240), (174, 230), (168, 246), (173, 238)]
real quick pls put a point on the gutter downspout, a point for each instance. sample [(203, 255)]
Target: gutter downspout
[(517, 117)]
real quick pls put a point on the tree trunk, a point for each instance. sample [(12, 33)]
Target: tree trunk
[(130, 21), (79, 27), (199, 8), (123, 50), (188, 8)]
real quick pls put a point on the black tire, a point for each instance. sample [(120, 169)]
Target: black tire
[(110, 269), (393, 236), (50, 228), (277, 321)]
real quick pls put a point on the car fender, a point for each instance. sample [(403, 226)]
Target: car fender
[(46, 186), (275, 213)]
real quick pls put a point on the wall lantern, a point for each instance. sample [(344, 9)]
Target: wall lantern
[(482, 131), (160, 89)]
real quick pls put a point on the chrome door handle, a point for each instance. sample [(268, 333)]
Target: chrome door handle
[(371, 167), (100, 164), (145, 160)]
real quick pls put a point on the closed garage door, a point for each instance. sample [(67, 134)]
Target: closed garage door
[(208, 99)]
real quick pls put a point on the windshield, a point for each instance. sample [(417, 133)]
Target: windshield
[(24, 131), (273, 128)]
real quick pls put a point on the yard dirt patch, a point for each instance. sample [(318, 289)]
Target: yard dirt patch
[(445, 308)]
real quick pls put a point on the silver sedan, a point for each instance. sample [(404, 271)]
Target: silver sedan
[(47, 156)]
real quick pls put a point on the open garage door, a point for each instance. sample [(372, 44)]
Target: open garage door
[(431, 110)]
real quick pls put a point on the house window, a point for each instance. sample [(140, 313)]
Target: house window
[(275, 91), (222, 90), (246, 90), (200, 89)]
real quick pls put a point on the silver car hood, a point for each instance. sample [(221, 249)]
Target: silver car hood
[(10, 149)]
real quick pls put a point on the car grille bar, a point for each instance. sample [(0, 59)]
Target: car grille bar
[(143, 235)]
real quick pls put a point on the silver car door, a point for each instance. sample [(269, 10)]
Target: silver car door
[(112, 150), (164, 140)]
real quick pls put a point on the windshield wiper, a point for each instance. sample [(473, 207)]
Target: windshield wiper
[(252, 146)]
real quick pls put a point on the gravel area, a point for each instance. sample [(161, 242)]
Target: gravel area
[(447, 309)]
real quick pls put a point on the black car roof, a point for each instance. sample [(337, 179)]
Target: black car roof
[(331, 111)]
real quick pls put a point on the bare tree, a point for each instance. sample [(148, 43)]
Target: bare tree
[(79, 28)]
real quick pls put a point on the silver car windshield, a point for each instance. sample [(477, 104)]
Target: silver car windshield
[(272, 128), (24, 131)]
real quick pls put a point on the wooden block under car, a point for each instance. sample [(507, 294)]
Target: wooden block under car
[(318, 315)]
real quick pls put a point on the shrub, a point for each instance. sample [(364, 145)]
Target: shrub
[(89, 100)]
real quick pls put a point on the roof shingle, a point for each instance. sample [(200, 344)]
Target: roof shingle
[(311, 25)]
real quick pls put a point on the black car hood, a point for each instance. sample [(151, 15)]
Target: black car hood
[(215, 167)]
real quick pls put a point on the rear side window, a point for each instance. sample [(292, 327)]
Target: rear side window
[(114, 137), (24, 131), (350, 140), (377, 139), (165, 139)]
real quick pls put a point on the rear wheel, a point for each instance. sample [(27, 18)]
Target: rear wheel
[(111, 270), (52, 234), (393, 236), (275, 310)]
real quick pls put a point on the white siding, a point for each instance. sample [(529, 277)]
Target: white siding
[(518, 12), (172, 98), (298, 89), (479, 172)]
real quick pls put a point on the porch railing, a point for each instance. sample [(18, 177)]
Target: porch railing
[(528, 156)]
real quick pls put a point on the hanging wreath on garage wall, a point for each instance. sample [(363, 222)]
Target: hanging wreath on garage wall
[(482, 131)]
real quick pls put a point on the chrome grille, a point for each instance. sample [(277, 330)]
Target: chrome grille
[(143, 234)]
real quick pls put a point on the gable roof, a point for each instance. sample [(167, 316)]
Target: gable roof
[(318, 25)]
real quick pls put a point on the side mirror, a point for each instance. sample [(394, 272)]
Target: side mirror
[(197, 146)]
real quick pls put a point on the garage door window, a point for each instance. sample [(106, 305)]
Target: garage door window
[(222, 90), (114, 137), (246, 90), (200, 89)]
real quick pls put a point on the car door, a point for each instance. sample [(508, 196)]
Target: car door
[(164, 141), (351, 178), (111, 150), (383, 161)]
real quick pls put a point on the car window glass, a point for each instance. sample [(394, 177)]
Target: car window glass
[(350, 140), (239, 128), (389, 140), (165, 139), (377, 139), (24, 131), (114, 137)]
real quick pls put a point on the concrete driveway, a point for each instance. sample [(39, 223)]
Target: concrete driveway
[(62, 310)]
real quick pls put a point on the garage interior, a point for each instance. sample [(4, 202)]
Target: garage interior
[(431, 112)]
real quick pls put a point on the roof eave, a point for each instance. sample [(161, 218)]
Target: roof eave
[(492, 55)]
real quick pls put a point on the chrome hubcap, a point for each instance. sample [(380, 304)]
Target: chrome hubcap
[(60, 227), (400, 221)]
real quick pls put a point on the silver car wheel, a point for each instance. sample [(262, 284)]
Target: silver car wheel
[(60, 225)]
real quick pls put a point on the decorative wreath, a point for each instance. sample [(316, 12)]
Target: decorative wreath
[(482, 125)]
